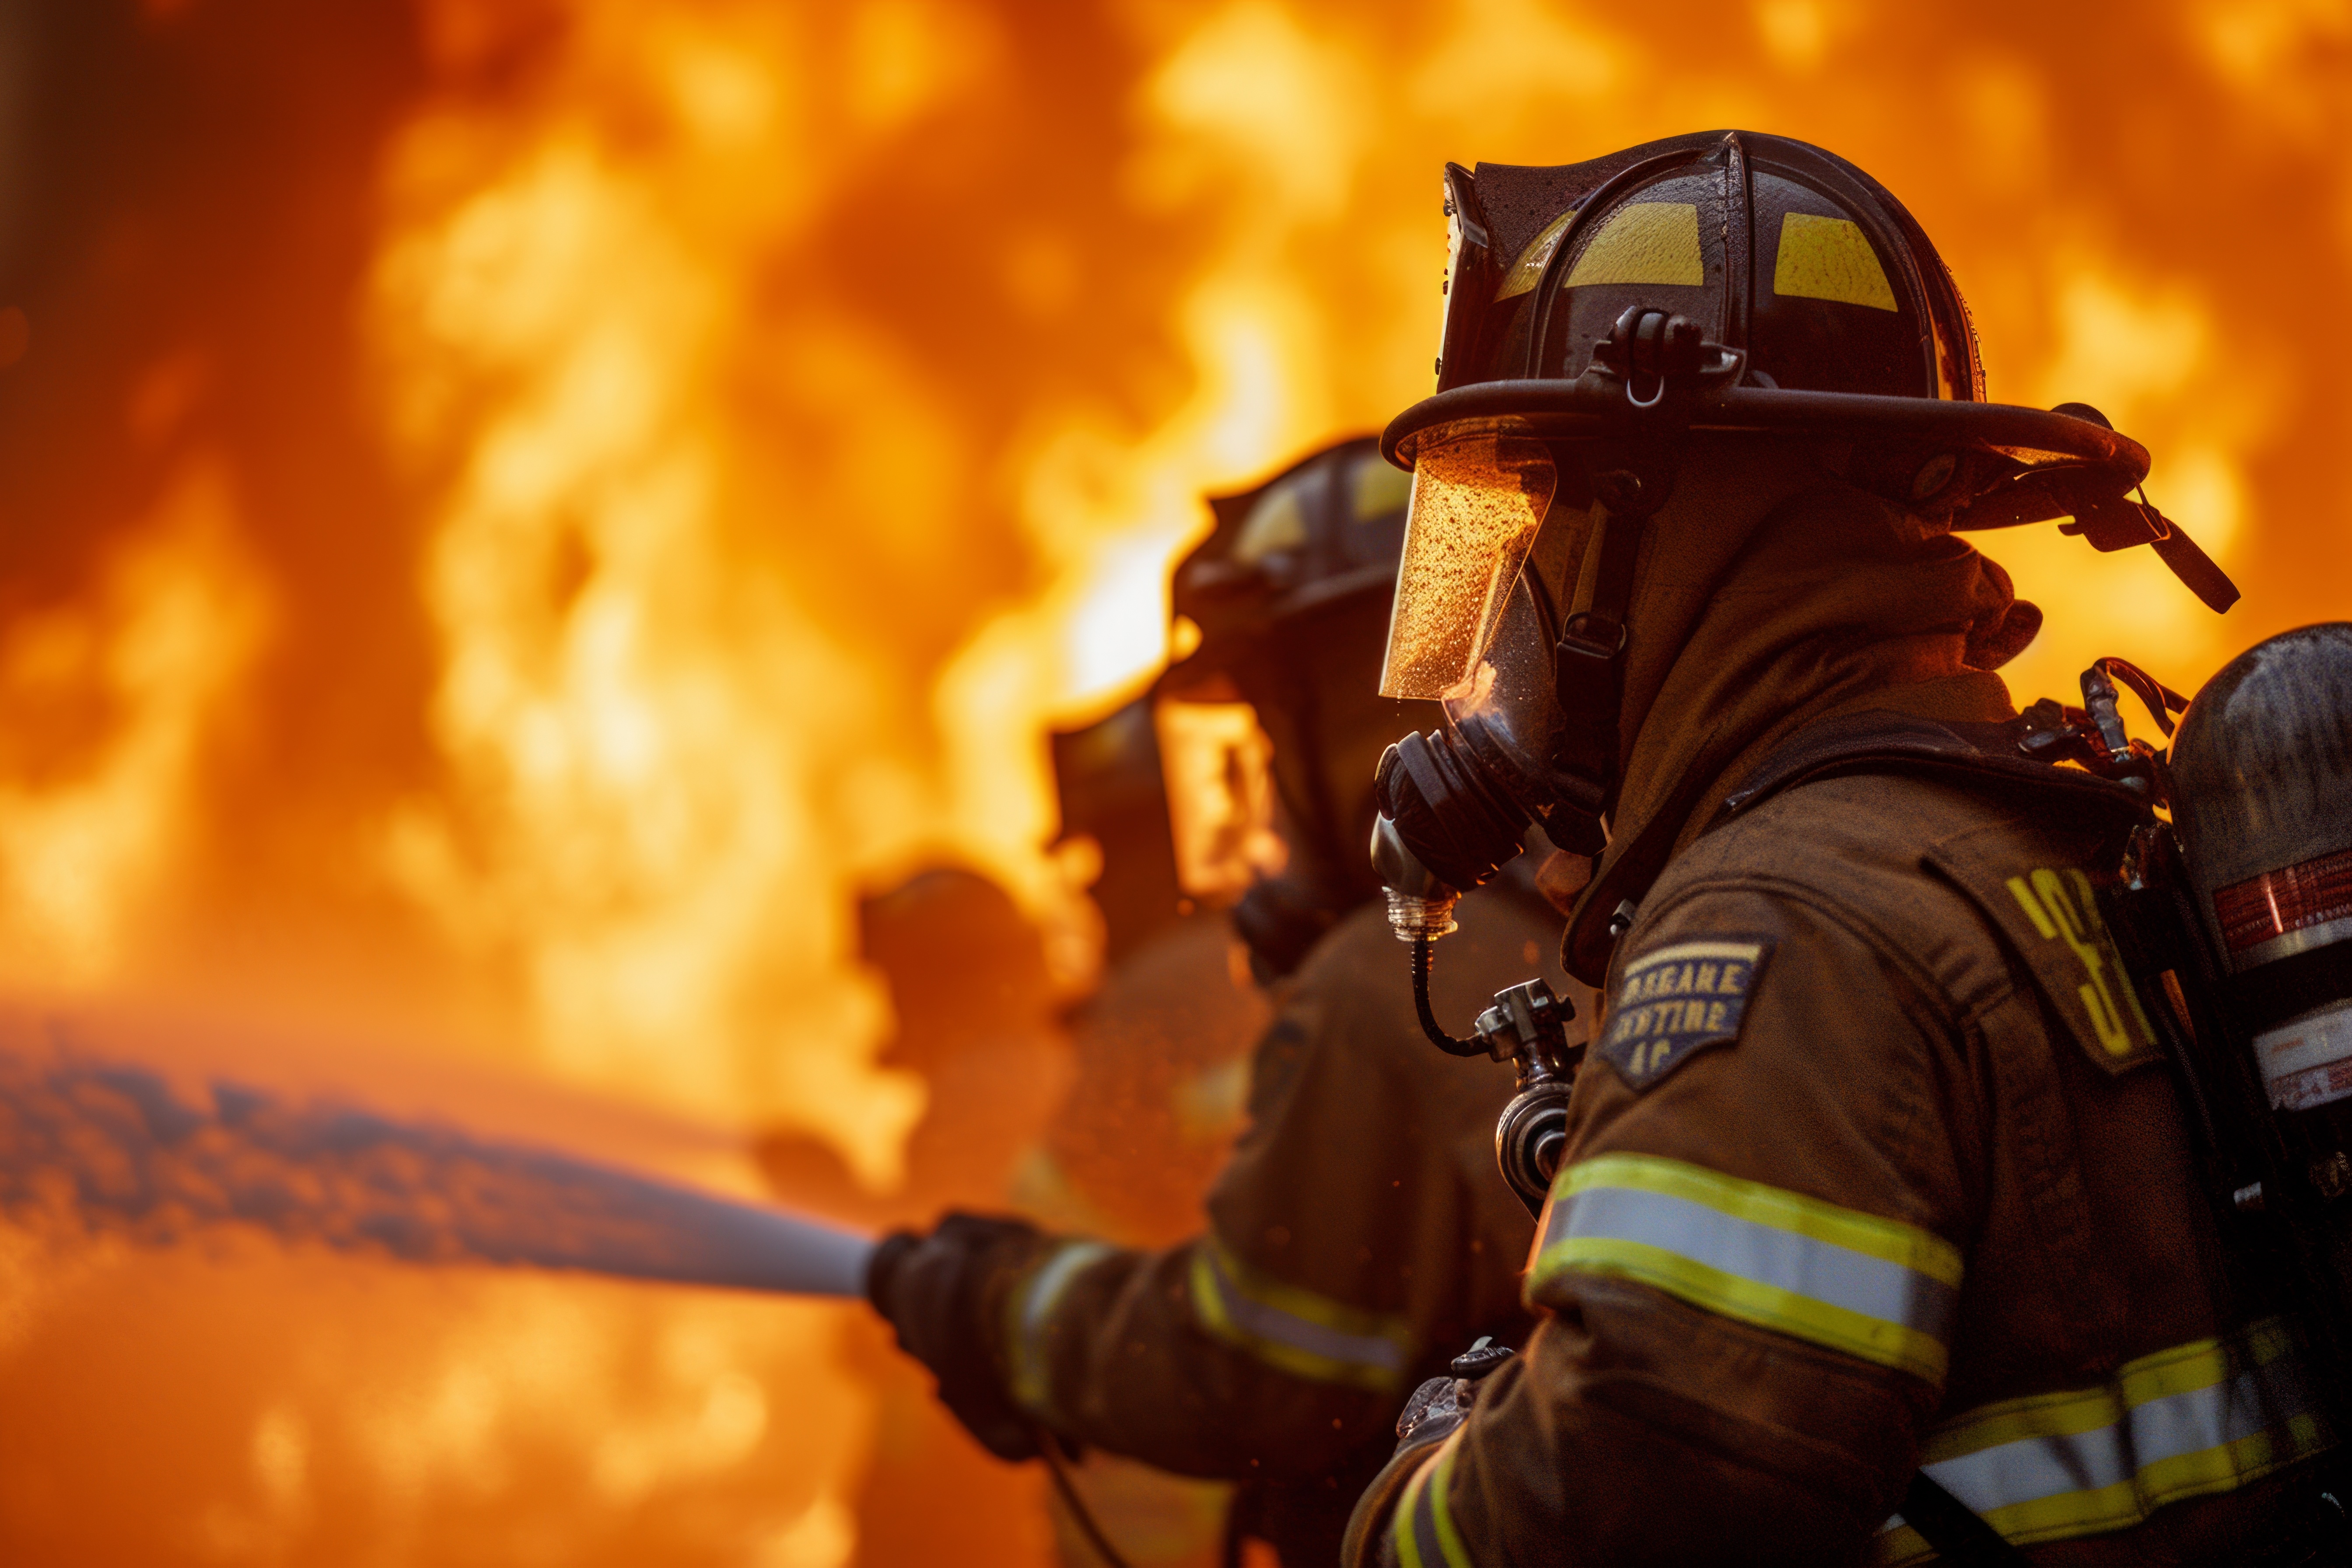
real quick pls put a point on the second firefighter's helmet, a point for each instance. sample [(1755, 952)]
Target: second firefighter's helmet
[(1272, 718), (1315, 545)]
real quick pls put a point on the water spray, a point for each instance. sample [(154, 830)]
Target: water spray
[(92, 1149)]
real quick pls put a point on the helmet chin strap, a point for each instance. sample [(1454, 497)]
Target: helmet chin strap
[(1588, 660)]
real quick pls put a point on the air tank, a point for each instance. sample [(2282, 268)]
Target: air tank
[(2262, 802)]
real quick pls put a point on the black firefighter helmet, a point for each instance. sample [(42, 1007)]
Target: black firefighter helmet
[(1274, 709), (1599, 316)]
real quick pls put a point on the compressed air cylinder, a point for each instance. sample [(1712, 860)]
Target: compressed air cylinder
[(2262, 800)]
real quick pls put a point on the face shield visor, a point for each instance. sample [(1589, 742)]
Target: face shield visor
[(1479, 497), (1218, 766)]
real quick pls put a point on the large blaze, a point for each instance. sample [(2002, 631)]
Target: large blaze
[(521, 513)]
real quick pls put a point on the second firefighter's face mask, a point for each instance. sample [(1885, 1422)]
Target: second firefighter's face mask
[(1218, 766), (1479, 496)]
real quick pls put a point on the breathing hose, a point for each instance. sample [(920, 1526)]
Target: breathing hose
[(1057, 1466), (1429, 1025)]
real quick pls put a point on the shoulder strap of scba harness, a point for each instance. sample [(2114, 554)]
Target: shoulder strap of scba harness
[(1883, 742), (1874, 742), (1997, 755)]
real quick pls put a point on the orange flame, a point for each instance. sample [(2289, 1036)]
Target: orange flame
[(631, 698), (107, 705)]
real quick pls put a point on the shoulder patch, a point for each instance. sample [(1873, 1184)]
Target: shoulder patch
[(1679, 1000), (2063, 908)]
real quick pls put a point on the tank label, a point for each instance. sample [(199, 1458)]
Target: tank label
[(2309, 1061), (2260, 912)]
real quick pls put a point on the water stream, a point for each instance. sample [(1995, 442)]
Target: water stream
[(94, 1147)]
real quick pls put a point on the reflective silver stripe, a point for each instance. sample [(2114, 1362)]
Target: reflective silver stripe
[(1270, 1320), (2032, 1469), (1870, 1287), (2204, 1418), (1033, 1304), (1797, 1264)]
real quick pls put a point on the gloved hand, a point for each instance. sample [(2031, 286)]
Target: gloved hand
[(1442, 1403), (934, 1289), (1436, 1408)]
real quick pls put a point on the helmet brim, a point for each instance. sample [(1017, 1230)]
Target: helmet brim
[(2047, 464)]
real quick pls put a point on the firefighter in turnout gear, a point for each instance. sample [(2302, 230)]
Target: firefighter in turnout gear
[(1357, 1237), (1162, 1050), (1878, 1234)]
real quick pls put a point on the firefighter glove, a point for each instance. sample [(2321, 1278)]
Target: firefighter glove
[(1442, 1403), (938, 1293), (1437, 1408)]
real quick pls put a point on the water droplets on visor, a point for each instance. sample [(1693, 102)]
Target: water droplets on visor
[(1478, 497)]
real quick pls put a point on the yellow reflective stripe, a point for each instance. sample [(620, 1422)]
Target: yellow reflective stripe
[(1830, 259), (2232, 1465), (1422, 1528), (1643, 242), (1441, 1507), (2119, 1505), (1403, 1529), (1295, 1331), (1872, 1287), (1306, 1305), (2191, 1421), (2200, 1365), (1766, 1306), (2182, 1369), (2068, 1415), (1029, 1311), (1920, 1251)]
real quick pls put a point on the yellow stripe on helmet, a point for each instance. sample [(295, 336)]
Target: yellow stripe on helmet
[(1644, 242), (1830, 259)]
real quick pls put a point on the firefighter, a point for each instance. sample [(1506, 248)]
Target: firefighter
[(1162, 1047), (1877, 1233), (1358, 1237)]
